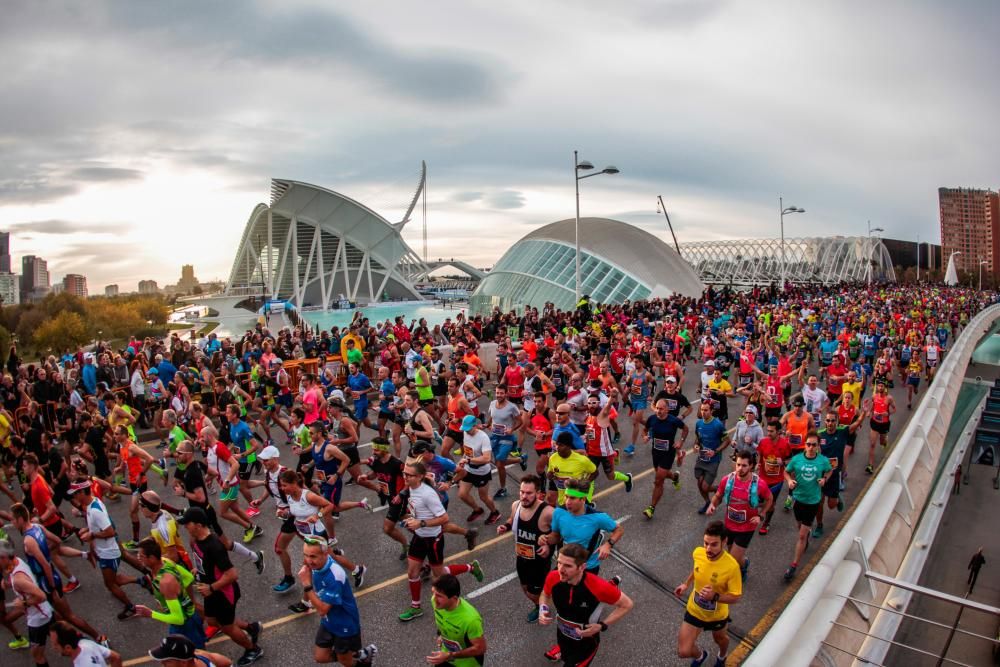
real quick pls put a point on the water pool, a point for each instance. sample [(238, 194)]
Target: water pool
[(433, 312)]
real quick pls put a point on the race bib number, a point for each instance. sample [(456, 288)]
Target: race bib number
[(772, 466), (637, 389), (499, 429), (450, 646), (305, 528), (560, 482), (590, 434), (467, 451), (557, 381), (736, 516), (524, 550), (671, 405), (795, 439), (662, 445), (833, 462), (745, 380), (356, 395), (708, 604), (704, 455), (880, 417), (568, 629)]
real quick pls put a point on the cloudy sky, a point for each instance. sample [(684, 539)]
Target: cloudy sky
[(137, 136)]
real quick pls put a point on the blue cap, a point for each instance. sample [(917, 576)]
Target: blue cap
[(469, 422)]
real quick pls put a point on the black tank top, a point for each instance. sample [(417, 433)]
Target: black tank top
[(526, 534)]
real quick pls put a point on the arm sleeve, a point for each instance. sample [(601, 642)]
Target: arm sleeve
[(602, 589), (174, 615), (550, 581)]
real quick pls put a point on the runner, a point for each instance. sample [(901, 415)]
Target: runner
[(217, 583), (427, 516), (711, 439), (595, 531), (84, 653), (568, 464), (133, 461), (225, 467), (832, 443), (577, 598), (661, 429), (541, 425), (530, 518), (806, 474), (387, 481), (476, 462), (717, 584), (172, 588), (325, 586), (458, 409), (503, 423), (359, 385), (330, 463), (245, 445), (745, 497), (640, 386), (880, 407), (461, 640), (773, 453), (28, 598), (597, 436)]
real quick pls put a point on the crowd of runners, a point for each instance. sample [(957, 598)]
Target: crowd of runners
[(789, 383)]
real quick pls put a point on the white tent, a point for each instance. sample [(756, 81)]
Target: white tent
[(951, 275)]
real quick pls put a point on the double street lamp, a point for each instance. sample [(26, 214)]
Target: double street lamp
[(981, 262), (577, 168), (784, 212)]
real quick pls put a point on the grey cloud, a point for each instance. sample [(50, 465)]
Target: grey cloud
[(506, 199), (105, 174), (33, 191), (61, 227), (467, 196)]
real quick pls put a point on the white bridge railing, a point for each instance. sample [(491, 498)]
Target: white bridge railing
[(878, 530)]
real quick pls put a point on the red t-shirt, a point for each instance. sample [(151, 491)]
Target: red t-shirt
[(41, 496), (739, 512), (772, 455)]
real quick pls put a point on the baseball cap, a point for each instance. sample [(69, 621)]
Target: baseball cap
[(337, 394), (671, 378), (269, 452), (174, 647), (152, 371), (193, 515), (752, 409), (710, 362), (77, 487), (337, 402), (469, 422)]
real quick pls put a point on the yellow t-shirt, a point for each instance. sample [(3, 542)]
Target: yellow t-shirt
[(722, 386), (577, 466), (853, 388), (723, 574), (4, 432)]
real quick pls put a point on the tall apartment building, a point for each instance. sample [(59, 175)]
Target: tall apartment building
[(148, 287), (75, 284), (970, 224), (34, 278), (4, 252), (188, 281), (111, 290), (10, 288)]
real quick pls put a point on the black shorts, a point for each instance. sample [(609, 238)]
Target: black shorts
[(284, 400), (247, 470), (805, 514), (740, 538), (213, 520), (340, 645), (430, 549), (39, 636), (664, 458), (832, 487), (478, 481), (605, 462), (879, 427), (710, 626), (387, 415), (352, 454), (397, 508), (288, 525), (221, 609), (772, 413), (140, 487), (532, 572), (578, 652)]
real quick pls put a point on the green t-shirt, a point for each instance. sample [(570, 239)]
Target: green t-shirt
[(808, 474), (355, 356), (457, 628), (785, 332), (176, 437)]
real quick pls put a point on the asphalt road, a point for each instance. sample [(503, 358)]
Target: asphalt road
[(658, 551)]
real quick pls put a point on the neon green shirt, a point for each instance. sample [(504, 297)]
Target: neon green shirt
[(457, 628)]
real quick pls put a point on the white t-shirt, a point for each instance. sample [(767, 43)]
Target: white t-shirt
[(97, 521), (91, 653), (814, 399), (473, 447), (425, 504)]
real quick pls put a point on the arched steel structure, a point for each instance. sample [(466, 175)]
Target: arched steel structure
[(314, 247), (825, 260)]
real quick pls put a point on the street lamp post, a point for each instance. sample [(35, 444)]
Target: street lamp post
[(870, 260), (577, 168), (784, 211), (981, 262)]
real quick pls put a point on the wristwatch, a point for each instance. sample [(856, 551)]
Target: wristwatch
[(423, 523), (307, 589), (604, 626)]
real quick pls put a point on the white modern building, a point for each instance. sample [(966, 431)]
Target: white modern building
[(10, 288), (618, 262)]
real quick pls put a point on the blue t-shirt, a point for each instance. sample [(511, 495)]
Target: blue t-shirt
[(710, 437), (333, 588), (167, 371), (578, 442), (240, 435), (663, 430), (826, 350), (388, 389), (584, 530), (443, 470), (361, 384)]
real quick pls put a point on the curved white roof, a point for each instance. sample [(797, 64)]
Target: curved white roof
[(631, 249)]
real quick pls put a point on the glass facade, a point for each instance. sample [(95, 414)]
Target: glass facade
[(534, 271)]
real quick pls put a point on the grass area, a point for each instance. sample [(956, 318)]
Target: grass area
[(207, 328), (179, 325)]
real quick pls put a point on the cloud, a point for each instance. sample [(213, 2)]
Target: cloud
[(467, 196), (60, 227), (105, 174), (33, 191), (506, 199)]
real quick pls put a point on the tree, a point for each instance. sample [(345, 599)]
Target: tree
[(28, 324), (66, 330)]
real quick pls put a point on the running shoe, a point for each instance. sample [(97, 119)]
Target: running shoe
[(788, 503), (425, 572), (697, 662), (869, 470), (843, 482), (126, 613), (260, 562), (763, 529), (162, 462), (456, 452), (840, 504), (252, 511), (721, 661), (554, 654), (437, 437), (501, 493), (630, 450), (254, 629), (817, 532), (284, 585), (677, 480), (470, 538), (366, 655), (335, 515), (332, 542), (299, 607), (524, 462), (20, 642), (131, 545), (616, 581), (359, 576), (493, 517), (790, 572), (73, 584), (618, 436), (476, 513), (704, 508), (477, 571), (648, 512), (250, 656), (249, 534), (628, 482), (410, 614), (533, 615), (211, 631), (366, 505)]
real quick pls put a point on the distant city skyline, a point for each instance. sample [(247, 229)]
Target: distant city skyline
[(716, 105)]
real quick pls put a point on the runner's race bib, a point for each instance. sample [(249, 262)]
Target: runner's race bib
[(795, 439), (708, 604), (662, 445), (736, 516), (499, 429), (568, 629), (705, 458), (524, 550), (450, 646), (772, 466), (833, 462)]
